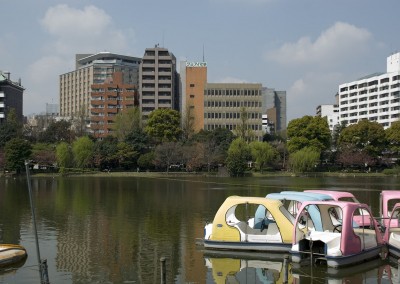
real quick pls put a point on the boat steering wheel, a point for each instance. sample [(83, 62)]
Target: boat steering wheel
[(336, 228)]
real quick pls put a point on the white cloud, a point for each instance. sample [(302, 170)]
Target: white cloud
[(80, 31), (313, 89), (41, 82), (338, 43)]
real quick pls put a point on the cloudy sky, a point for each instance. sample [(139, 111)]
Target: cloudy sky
[(306, 47)]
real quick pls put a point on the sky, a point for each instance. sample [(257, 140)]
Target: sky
[(304, 47)]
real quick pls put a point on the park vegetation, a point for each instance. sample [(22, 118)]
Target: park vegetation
[(164, 145)]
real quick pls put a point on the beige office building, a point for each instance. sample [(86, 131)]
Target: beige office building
[(224, 104), (75, 86)]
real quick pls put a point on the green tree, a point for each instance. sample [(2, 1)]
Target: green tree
[(393, 136), (243, 129), (64, 156), (238, 156), (146, 161), (304, 160), (127, 156), (17, 151), (365, 135), (262, 153), (308, 131), (57, 131), (126, 122), (105, 153), (10, 129), (164, 125), (139, 140), (83, 149)]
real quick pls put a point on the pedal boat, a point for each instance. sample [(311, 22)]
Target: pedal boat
[(11, 254), (388, 199), (233, 226), (392, 232), (340, 242)]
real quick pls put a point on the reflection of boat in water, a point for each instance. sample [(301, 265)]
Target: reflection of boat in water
[(228, 268), (373, 271), (11, 254)]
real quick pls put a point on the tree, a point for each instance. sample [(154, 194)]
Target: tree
[(82, 148), (64, 156), (167, 153), (126, 155), (164, 125), (304, 160), (139, 140), (238, 156), (80, 120), (146, 161), (11, 128), (57, 131), (365, 135), (262, 153), (393, 136), (243, 129), (126, 122), (17, 151), (105, 153), (188, 123), (349, 156), (44, 154), (308, 131)]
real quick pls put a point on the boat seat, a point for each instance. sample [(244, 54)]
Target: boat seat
[(271, 234), (367, 237)]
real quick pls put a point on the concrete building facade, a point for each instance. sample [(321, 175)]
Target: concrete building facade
[(107, 100), (224, 104), (274, 106), (75, 86), (158, 81), (375, 97), (193, 76), (11, 97), (331, 112)]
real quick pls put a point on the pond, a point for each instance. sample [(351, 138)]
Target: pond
[(117, 229)]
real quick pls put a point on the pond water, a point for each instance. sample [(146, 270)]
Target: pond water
[(117, 229)]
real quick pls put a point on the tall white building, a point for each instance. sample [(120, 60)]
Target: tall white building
[(375, 97), (331, 112)]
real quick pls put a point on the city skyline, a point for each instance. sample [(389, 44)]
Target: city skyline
[(305, 48)]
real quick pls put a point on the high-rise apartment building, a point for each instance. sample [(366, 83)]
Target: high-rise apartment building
[(331, 112), (107, 100), (375, 97), (75, 86), (11, 97), (158, 81), (193, 76)]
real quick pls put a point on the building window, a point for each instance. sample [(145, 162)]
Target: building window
[(191, 85)]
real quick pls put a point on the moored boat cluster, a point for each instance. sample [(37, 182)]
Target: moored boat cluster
[(325, 226)]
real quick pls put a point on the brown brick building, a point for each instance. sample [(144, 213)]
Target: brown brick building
[(107, 100)]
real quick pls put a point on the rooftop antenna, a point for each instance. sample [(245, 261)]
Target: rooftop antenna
[(203, 53)]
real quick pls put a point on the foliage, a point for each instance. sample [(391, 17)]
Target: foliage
[(262, 153), (394, 171), (57, 131), (139, 140), (64, 156), (350, 155), (44, 154), (126, 155), (304, 160), (365, 135), (393, 136), (164, 125), (243, 129), (238, 156), (105, 150), (126, 122), (17, 151), (10, 129), (308, 131), (83, 149), (167, 153), (145, 161)]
